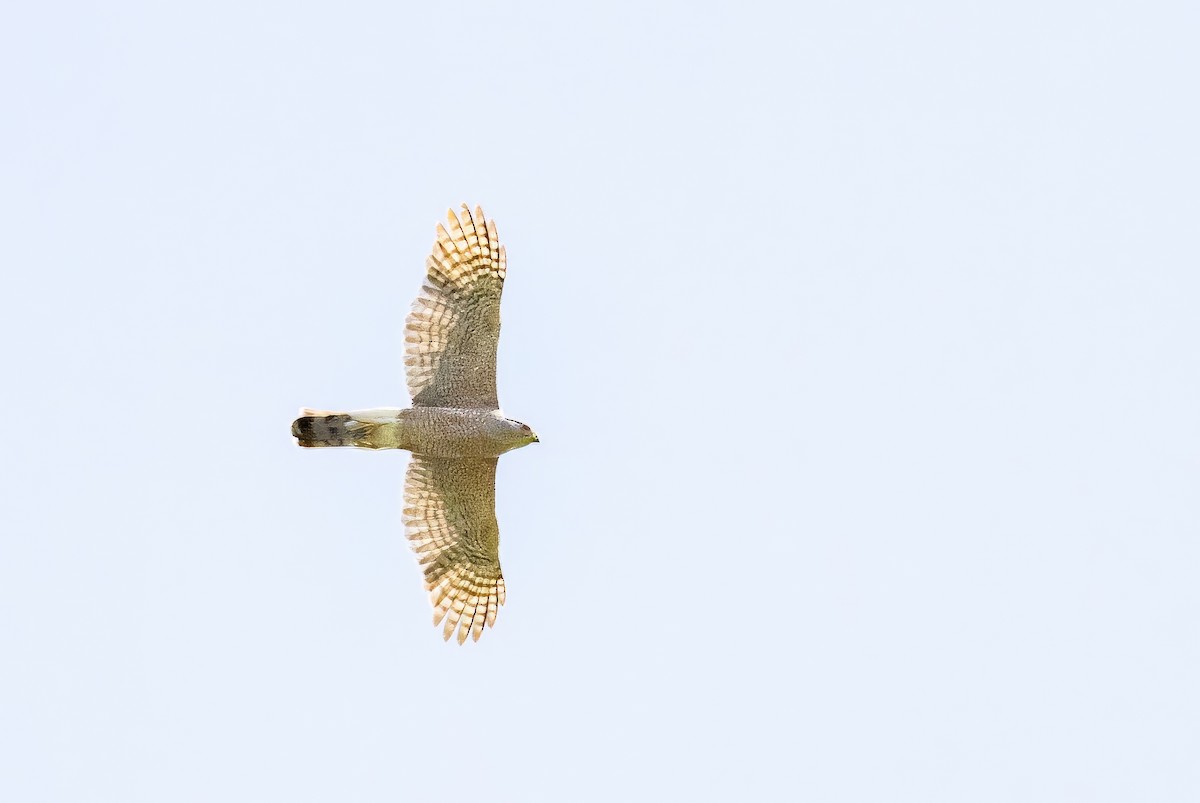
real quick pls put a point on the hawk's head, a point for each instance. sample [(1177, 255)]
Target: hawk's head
[(530, 435), (515, 434)]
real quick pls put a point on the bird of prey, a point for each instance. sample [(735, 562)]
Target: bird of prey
[(454, 429)]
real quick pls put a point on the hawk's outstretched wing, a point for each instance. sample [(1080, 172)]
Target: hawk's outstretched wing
[(450, 516), (451, 334)]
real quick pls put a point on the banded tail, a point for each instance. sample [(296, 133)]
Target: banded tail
[(322, 428), (365, 429)]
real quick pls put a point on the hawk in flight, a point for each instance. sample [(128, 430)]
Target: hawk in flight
[(454, 429)]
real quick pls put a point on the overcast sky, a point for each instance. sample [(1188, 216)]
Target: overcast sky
[(861, 338)]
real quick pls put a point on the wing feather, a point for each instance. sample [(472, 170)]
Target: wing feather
[(453, 330), (450, 518)]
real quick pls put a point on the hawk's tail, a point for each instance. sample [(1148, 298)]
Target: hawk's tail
[(322, 428)]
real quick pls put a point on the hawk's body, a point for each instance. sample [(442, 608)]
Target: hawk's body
[(431, 431), (454, 429)]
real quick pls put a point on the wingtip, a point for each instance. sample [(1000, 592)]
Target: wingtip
[(464, 213)]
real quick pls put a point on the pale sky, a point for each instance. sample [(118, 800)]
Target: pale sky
[(861, 338)]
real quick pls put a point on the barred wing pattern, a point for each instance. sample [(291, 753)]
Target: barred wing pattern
[(451, 334), (450, 518)]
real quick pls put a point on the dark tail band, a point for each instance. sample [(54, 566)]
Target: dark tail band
[(323, 430)]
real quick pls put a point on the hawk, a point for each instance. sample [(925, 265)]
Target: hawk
[(454, 429)]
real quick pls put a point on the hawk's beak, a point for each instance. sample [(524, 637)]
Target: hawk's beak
[(535, 439)]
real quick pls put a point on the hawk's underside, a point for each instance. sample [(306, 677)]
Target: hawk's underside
[(454, 428)]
